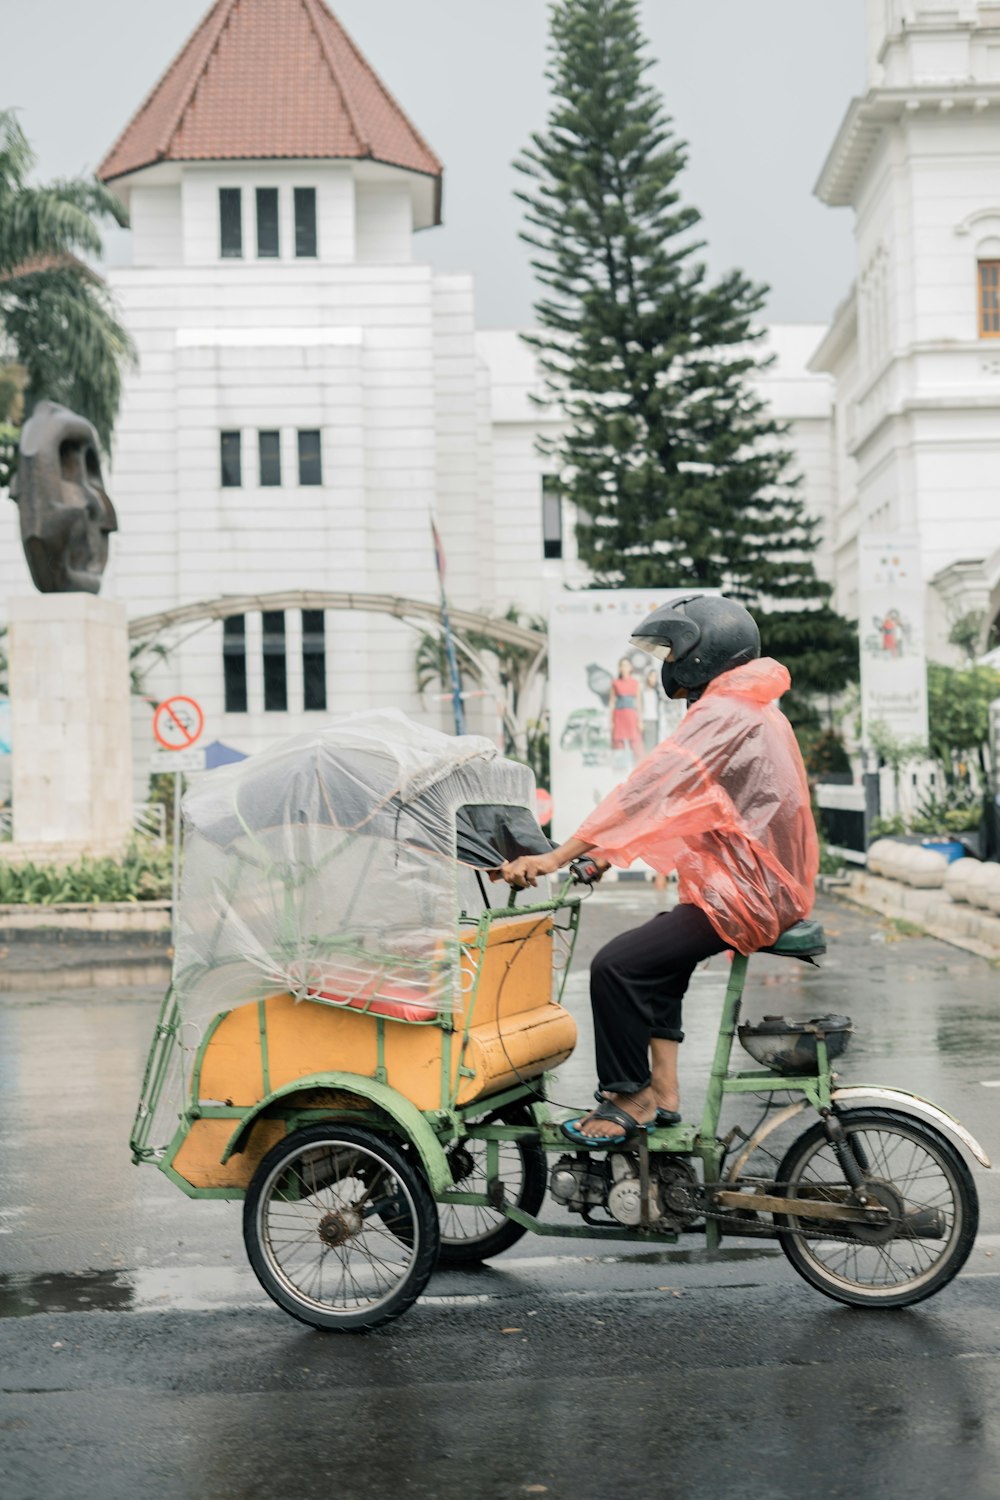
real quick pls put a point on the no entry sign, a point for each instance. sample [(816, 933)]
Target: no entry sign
[(178, 722)]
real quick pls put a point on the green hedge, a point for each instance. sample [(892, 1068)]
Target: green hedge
[(143, 875)]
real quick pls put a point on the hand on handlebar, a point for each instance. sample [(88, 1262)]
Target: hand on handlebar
[(526, 870)]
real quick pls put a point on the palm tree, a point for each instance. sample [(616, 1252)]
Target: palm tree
[(511, 674), (56, 317)]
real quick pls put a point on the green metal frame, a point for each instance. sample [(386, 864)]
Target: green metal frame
[(430, 1132)]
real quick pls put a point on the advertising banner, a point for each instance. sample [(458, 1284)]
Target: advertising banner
[(891, 628), (606, 705)]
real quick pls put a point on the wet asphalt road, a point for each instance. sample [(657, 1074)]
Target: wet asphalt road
[(138, 1357)]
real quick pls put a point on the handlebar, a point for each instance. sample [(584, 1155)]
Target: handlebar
[(582, 871)]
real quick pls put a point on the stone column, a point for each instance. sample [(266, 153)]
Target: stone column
[(70, 727)]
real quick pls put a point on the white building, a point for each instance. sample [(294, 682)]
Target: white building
[(308, 390), (915, 346)]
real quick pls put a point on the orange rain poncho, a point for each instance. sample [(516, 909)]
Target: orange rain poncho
[(725, 802)]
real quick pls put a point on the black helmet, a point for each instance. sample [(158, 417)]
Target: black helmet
[(707, 635)]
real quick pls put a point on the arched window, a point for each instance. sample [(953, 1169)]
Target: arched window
[(988, 301)]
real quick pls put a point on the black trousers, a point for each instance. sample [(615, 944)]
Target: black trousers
[(637, 984)]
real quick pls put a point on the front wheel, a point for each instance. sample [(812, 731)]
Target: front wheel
[(910, 1169), (340, 1229)]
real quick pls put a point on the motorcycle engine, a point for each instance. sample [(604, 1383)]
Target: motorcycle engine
[(582, 1183)]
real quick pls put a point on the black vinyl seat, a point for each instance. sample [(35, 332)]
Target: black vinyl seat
[(804, 940)]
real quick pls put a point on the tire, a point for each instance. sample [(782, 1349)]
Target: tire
[(900, 1268), (471, 1234), (335, 1193)]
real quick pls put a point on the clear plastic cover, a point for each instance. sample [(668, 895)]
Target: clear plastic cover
[(331, 866)]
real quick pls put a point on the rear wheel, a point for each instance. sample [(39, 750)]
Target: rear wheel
[(340, 1229), (472, 1233), (915, 1173)]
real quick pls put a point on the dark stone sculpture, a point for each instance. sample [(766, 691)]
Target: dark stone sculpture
[(66, 513)]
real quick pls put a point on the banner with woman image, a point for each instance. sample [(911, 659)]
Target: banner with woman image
[(891, 630), (607, 708)]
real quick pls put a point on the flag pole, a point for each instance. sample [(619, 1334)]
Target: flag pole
[(458, 707)]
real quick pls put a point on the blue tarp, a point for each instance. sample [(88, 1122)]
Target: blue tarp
[(218, 754)]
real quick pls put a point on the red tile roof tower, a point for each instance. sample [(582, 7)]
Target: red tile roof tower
[(270, 79)]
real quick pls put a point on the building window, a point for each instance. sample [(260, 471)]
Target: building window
[(230, 223), (230, 460), (313, 659), (305, 222), (275, 663), (552, 526), (267, 221), (989, 299), (234, 663), (269, 449), (310, 463)]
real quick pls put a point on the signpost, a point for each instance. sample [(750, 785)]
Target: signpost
[(177, 724)]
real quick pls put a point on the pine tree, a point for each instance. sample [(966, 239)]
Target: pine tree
[(676, 469)]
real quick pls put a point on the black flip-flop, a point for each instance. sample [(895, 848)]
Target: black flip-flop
[(664, 1117), (616, 1116)]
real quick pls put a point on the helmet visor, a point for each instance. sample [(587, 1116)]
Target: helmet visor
[(668, 633)]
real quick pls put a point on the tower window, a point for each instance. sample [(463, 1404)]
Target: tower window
[(269, 448), (230, 223), (230, 460), (275, 662), (310, 461), (989, 299), (267, 221), (552, 526), (234, 663), (305, 222), (313, 659)]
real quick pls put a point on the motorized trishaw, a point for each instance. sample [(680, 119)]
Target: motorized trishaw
[(359, 1044)]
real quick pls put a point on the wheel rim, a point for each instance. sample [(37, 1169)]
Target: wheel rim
[(338, 1228), (903, 1168), (467, 1223)]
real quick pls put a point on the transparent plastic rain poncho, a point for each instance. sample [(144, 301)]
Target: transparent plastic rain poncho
[(725, 802), (333, 866)]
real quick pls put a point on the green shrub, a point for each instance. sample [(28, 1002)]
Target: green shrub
[(887, 828), (825, 754), (142, 875), (958, 811)]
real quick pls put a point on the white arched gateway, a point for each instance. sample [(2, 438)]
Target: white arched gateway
[(505, 657)]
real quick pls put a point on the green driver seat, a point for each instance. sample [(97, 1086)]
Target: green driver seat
[(804, 940)]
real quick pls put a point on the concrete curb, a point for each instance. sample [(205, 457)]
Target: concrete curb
[(112, 921), (932, 909)]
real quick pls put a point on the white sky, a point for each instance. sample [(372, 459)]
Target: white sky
[(756, 87)]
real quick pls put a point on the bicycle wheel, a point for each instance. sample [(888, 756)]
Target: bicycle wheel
[(340, 1229), (471, 1233), (917, 1175)]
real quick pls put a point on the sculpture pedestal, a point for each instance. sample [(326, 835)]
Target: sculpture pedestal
[(70, 727)]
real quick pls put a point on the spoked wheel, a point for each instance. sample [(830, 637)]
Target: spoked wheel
[(911, 1170), (340, 1229), (471, 1233)]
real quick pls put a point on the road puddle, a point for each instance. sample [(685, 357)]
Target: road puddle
[(155, 1289), (59, 1292)]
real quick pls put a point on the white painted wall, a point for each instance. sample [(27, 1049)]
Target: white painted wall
[(384, 223), (157, 226)]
